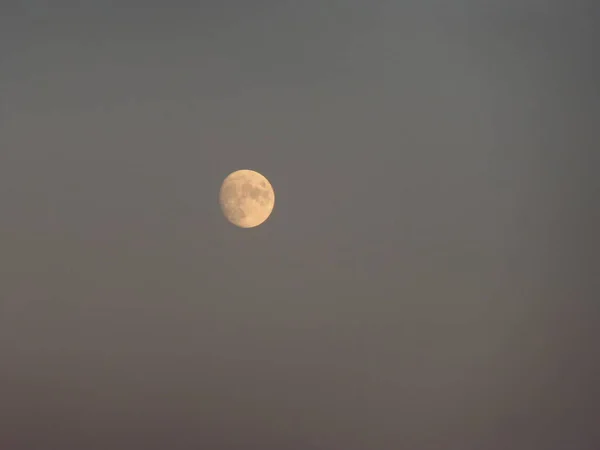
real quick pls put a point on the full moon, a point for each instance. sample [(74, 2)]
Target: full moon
[(247, 198)]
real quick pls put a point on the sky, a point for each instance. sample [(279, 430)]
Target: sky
[(428, 278)]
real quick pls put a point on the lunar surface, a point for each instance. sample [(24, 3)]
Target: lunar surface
[(247, 198)]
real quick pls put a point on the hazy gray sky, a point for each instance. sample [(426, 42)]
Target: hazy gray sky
[(426, 280)]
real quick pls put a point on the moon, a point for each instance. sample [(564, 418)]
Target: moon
[(246, 198)]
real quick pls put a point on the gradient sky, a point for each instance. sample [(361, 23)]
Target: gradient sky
[(426, 280)]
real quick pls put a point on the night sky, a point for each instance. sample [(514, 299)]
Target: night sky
[(428, 278)]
